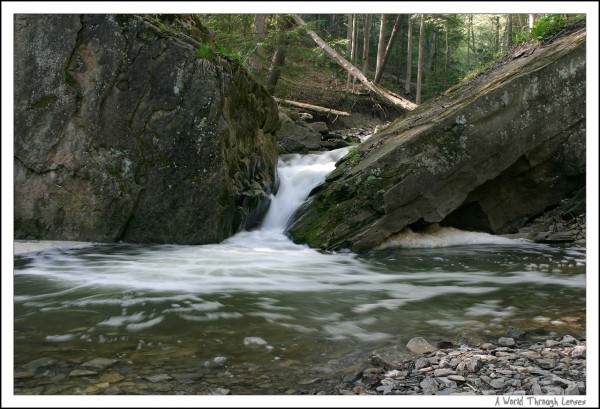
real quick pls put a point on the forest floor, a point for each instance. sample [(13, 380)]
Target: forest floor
[(323, 83)]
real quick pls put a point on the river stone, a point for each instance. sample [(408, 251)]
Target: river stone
[(23, 374), (159, 378), (443, 372), (456, 378), (474, 364), (419, 345), (550, 343), (568, 339), (579, 352), (546, 363), (111, 378), (221, 391), (100, 363), (497, 383), (429, 386), (506, 342), (320, 127), (39, 363), (421, 363), (572, 389), (82, 372)]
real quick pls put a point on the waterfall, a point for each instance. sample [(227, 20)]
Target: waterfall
[(298, 175)]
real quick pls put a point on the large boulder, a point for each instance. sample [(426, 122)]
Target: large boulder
[(297, 137), (122, 132), (488, 155)]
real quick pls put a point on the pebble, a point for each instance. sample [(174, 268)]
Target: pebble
[(99, 363), (537, 369), (159, 378), (506, 342), (419, 345), (82, 372)]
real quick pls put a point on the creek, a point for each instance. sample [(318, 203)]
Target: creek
[(258, 314)]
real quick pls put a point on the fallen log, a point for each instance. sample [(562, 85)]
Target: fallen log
[(355, 72), (311, 107)]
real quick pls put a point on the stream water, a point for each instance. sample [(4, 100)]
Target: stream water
[(258, 314)]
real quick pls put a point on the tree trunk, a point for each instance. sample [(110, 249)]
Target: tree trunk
[(396, 100), (278, 55), (420, 61), (349, 37), (380, 48), (409, 56), (259, 34), (275, 70), (432, 50), (400, 51), (354, 49), (531, 20), (388, 49), (497, 42), (447, 49), (366, 35), (508, 33), (311, 107), (475, 59)]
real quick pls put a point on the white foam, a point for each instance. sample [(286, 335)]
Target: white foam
[(60, 338), (144, 325), (436, 236)]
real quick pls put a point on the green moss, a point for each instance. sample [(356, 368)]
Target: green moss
[(70, 80), (43, 102), (165, 160)]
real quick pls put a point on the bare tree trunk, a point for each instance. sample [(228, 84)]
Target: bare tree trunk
[(380, 47), (447, 49), (497, 42), (409, 56), (420, 61), (366, 35), (311, 107), (475, 59), (432, 50), (355, 46), (275, 70), (395, 99), (400, 51), (531, 20), (349, 36), (508, 32), (278, 56), (349, 45), (259, 34), (388, 49)]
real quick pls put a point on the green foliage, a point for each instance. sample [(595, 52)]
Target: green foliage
[(548, 27), (205, 51)]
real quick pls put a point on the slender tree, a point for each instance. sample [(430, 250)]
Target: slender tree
[(380, 46), (259, 34), (366, 36), (409, 56), (420, 61), (388, 49), (508, 32)]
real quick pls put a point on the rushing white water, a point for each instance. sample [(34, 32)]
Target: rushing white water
[(298, 175)]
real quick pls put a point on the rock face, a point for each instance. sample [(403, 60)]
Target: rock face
[(489, 155), (123, 133)]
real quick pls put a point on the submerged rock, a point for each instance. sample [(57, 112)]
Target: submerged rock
[(488, 155), (123, 133)]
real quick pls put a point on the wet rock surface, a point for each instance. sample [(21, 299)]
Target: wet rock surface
[(506, 368)]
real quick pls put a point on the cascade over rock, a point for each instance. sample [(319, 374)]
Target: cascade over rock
[(488, 155), (123, 133)]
